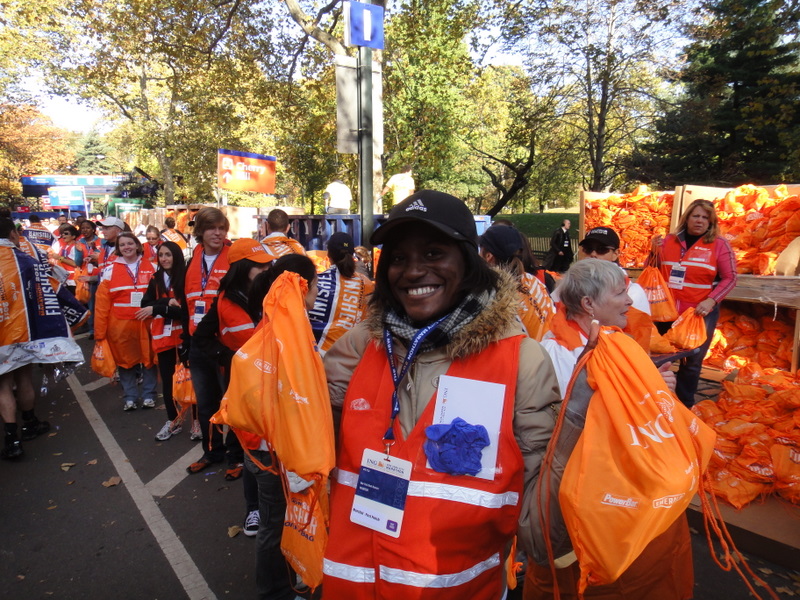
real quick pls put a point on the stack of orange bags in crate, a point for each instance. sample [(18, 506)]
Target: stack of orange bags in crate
[(759, 225), (747, 334), (636, 217), (757, 420)]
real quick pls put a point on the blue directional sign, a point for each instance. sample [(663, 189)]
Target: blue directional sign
[(363, 25)]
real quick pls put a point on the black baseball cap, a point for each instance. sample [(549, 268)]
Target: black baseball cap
[(602, 235), (502, 241), (341, 242), (446, 213)]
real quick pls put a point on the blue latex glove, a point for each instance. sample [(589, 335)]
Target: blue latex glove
[(456, 448)]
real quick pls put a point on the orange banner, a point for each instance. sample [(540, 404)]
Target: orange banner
[(245, 172)]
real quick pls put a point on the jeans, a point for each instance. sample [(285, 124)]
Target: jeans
[(208, 387), (130, 389), (688, 375), (274, 576), (167, 360)]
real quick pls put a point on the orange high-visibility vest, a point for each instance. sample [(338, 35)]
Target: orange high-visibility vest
[(195, 290), (170, 235), (700, 262), (281, 245), (124, 281), (456, 529), (235, 324)]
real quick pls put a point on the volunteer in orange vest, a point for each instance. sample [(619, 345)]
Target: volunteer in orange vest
[(277, 241), (699, 267), (91, 247), (205, 271), (110, 227), (170, 234), (436, 517), (343, 294), (502, 247), (119, 298), (150, 246), (164, 306), (69, 254), (603, 243), (596, 291)]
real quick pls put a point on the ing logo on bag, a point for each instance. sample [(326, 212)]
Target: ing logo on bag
[(264, 366), (667, 501)]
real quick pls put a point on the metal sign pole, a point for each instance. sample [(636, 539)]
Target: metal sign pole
[(365, 142)]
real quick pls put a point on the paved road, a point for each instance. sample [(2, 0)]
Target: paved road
[(159, 533)]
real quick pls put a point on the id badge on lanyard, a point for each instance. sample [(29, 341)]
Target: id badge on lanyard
[(199, 311), (381, 492), (676, 277)]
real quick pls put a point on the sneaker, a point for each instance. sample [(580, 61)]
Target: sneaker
[(33, 429), (12, 448), (148, 403), (251, 523), (129, 405), (169, 429), (195, 433)]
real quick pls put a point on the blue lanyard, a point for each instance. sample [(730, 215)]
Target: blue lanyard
[(413, 350)]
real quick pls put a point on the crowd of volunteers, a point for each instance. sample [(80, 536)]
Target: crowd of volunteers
[(458, 376)]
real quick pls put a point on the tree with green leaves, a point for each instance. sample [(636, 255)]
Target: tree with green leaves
[(738, 120), (596, 56), (93, 155)]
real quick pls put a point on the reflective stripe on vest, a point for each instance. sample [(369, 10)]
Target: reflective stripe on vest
[(442, 491), (410, 578), (237, 328)]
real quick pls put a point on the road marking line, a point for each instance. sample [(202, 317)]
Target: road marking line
[(96, 384), (172, 475), (193, 582)]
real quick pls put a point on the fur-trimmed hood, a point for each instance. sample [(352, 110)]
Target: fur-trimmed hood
[(497, 321)]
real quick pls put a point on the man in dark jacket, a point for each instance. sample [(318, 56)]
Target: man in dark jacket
[(560, 254)]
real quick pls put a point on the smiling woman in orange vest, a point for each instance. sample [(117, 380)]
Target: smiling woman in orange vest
[(432, 469), (119, 297), (700, 268)]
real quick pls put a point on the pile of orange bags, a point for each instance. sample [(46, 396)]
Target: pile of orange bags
[(757, 452), (747, 333), (759, 224), (636, 217)]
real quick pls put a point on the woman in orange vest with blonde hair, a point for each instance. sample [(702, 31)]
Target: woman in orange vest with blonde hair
[(119, 298), (699, 267), (445, 520)]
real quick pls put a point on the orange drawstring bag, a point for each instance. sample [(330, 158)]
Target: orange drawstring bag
[(637, 464), (102, 360), (662, 304), (182, 390), (278, 389), (688, 332)]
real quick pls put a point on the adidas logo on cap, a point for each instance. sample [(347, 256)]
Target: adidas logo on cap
[(417, 205)]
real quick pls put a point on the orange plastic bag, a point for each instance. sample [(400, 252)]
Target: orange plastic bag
[(689, 331), (305, 532), (278, 389), (662, 304), (650, 449), (82, 292), (787, 471), (102, 360)]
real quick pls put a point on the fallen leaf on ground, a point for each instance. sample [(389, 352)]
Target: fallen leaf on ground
[(67, 466), (52, 507), (92, 462), (70, 482), (52, 434), (234, 531), (784, 590), (20, 577), (765, 571), (112, 482), (57, 453)]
